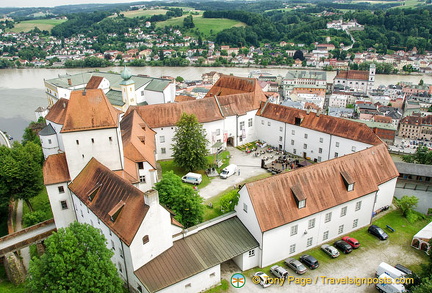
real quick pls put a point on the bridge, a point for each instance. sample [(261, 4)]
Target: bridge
[(26, 237)]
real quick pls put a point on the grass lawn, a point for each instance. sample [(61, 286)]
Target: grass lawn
[(40, 203), (207, 26), (8, 287), (42, 24), (140, 12), (404, 231)]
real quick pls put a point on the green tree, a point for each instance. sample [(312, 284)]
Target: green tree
[(76, 260), (183, 200), (189, 148), (407, 203), (422, 156), (31, 132), (21, 171), (229, 201), (188, 22), (179, 79)]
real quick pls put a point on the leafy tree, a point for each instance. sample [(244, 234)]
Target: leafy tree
[(298, 55), (188, 22), (229, 201), (21, 171), (184, 201), (189, 148), (422, 156), (179, 79), (407, 203), (31, 132), (76, 260)]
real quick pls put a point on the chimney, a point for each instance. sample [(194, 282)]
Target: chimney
[(151, 197), (64, 105), (318, 113), (84, 92), (69, 81)]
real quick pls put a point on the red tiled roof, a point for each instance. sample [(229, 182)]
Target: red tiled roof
[(323, 185), (57, 112), (322, 123), (89, 109), (94, 82), (55, 169), (353, 74), (110, 190)]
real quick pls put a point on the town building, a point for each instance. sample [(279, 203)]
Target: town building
[(304, 81), (100, 169), (416, 127), (356, 80)]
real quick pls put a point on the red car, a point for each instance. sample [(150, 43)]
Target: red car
[(351, 241)]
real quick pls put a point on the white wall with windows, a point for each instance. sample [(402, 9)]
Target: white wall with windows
[(249, 259), (61, 204), (384, 195), (147, 176)]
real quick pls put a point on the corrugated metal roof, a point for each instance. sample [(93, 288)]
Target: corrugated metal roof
[(306, 74), (196, 253), (157, 85), (115, 98)]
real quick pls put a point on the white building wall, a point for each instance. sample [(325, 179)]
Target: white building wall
[(249, 259), (103, 144), (385, 194), (50, 145), (230, 128), (58, 128), (150, 177), (157, 225), (154, 97), (56, 194), (169, 93), (163, 149), (277, 242), (197, 283), (271, 131), (343, 146)]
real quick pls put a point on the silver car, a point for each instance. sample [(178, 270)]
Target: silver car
[(330, 250), (296, 266)]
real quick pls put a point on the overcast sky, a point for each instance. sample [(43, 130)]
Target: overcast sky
[(52, 3)]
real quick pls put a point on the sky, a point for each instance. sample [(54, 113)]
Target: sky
[(52, 3)]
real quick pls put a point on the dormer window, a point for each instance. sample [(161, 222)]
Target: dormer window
[(93, 192), (115, 212), (299, 196), (348, 181)]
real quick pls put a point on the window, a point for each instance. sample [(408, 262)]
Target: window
[(305, 146), (217, 132), (292, 141), (139, 288), (163, 150), (112, 245), (319, 159), (98, 221), (327, 217), (302, 204), (141, 165), (250, 122), (281, 129), (188, 285), (337, 144), (294, 230), (292, 248), (242, 125), (142, 179), (120, 267), (311, 223), (321, 140), (343, 211), (269, 123), (145, 239), (358, 206), (63, 204), (340, 230), (213, 275), (262, 122), (293, 132), (162, 138), (336, 155), (280, 138), (110, 138), (355, 223), (305, 136), (92, 140), (353, 148), (49, 141), (110, 233), (245, 207), (320, 150), (294, 151), (251, 252), (309, 241), (325, 235), (77, 142), (61, 189)]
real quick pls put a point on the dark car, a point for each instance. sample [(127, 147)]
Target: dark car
[(343, 246), (351, 241), (296, 266), (378, 232), (310, 261)]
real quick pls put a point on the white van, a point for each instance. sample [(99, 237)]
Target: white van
[(192, 178), (228, 171), (385, 268)]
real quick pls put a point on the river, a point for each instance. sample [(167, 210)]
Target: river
[(22, 90)]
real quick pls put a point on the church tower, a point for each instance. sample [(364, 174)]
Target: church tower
[(128, 89), (372, 69)]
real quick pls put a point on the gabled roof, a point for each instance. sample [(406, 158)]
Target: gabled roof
[(57, 113), (55, 169), (238, 104), (275, 205), (94, 82), (353, 75), (47, 130), (88, 110), (231, 85), (323, 123), (138, 139), (196, 253), (163, 115), (108, 190)]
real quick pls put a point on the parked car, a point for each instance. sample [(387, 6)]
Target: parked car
[(330, 250), (296, 266), (378, 232), (343, 246), (263, 279), (192, 178), (279, 272), (228, 171), (310, 261), (351, 241)]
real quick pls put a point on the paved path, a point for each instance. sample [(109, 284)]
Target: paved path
[(249, 166), (25, 252)]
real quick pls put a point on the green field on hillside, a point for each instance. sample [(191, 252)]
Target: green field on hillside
[(42, 24), (141, 12), (207, 26)]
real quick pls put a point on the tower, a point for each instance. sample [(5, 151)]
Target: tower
[(372, 69), (128, 89)]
